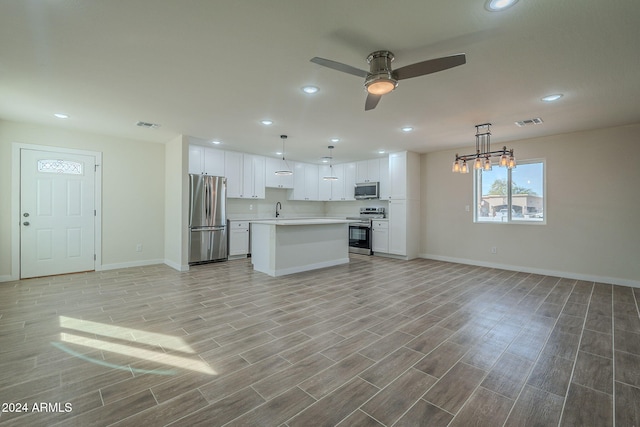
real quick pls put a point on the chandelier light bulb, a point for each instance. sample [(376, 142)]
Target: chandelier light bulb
[(464, 168), (477, 164), (487, 164), (456, 166)]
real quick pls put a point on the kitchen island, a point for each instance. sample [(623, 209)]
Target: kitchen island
[(286, 246)]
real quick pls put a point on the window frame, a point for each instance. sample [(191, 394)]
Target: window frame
[(476, 203)]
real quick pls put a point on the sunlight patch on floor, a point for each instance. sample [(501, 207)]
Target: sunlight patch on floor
[(135, 337), (165, 341)]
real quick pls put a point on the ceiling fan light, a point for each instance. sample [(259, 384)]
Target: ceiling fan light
[(381, 86), (284, 172), (456, 166)]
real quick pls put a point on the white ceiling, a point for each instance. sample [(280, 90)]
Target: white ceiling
[(214, 68)]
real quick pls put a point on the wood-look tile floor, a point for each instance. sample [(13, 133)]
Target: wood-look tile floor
[(377, 342)]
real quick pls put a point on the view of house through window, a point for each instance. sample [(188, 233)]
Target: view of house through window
[(510, 195)]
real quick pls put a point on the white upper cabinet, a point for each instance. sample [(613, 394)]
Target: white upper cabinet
[(205, 160), (277, 181), (343, 187), (404, 175), (253, 177), (233, 164), (324, 186), (305, 182), (368, 171), (384, 178), (349, 181), (398, 175), (196, 159)]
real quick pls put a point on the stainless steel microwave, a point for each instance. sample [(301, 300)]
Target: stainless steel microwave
[(367, 190)]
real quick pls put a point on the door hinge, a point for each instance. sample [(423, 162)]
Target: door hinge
[(95, 167), (94, 257), (95, 213)]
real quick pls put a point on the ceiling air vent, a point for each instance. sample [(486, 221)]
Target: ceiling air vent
[(528, 122), (148, 125)]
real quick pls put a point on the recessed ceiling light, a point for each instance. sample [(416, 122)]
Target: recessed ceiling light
[(310, 89), (61, 115), (551, 98), (215, 141), (266, 122), (406, 129), (335, 139), (381, 151), (278, 153), (498, 5)]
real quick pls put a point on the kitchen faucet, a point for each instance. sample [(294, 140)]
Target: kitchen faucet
[(278, 204)]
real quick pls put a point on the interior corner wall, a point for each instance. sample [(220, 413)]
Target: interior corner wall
[(132, 201), (176, 200), (592, 210)]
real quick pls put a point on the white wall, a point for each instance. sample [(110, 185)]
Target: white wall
[(132, 193), (593, 210), (176, 204)]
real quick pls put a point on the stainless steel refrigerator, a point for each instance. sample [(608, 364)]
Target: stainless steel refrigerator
[(207, 218)]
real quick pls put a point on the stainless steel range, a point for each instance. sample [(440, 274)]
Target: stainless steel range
[(360, 232)]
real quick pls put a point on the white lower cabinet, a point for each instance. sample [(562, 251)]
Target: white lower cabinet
[(404, 228), (238, 239), (398, 227), (380, 236)]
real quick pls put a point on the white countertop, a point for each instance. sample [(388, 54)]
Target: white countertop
[(303, 221)]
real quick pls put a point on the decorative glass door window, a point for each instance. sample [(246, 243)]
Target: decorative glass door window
[(60, 166)]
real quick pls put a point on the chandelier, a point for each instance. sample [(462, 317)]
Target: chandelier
[(482, 158)]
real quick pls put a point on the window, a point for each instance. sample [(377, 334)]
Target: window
[(510, 195)]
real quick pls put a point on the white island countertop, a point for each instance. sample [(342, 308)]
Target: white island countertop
[(292, 245)]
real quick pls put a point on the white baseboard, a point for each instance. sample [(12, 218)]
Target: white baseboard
[(545, 272), (301, 268), (176, 266), (7, 278), (141, 263)]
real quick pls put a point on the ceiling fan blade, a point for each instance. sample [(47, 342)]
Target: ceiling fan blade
[(339, 66), (371, 102), (430, 66)]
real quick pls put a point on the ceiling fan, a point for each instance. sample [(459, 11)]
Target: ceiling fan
[(381, 79)]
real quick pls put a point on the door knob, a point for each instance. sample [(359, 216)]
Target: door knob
[(25, 223), (26, 214)]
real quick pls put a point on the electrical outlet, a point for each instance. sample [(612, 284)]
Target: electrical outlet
[(139, 247), (494, 250)]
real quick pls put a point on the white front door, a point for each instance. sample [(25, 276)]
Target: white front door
[(57, 213)]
